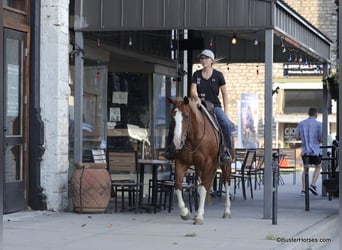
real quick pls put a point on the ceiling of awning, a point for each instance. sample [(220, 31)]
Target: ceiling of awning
[(213, 22)]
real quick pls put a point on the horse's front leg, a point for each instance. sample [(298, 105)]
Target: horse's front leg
[(183, 210), (199, 219)]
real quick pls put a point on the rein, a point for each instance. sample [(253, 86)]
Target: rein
[(187, 136)]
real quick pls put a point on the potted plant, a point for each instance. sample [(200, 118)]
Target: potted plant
[(332, 85)]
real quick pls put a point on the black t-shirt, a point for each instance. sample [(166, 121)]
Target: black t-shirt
[(210, 87)]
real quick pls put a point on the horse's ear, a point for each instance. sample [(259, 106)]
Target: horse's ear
[(170, 99), (186, 100)]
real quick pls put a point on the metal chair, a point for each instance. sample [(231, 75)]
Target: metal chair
[(123, 168), (288, 162), (189, 188), (245, 173)]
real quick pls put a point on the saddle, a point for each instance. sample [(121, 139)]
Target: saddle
[(208, 109)]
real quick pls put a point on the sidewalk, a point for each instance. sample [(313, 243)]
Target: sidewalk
[(38, 230)]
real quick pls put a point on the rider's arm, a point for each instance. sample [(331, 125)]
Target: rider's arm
[(225, 98), (193, 92)]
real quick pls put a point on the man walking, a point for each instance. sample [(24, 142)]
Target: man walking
[(309, 131)]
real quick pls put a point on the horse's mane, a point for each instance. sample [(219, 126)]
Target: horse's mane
[(194, 107)]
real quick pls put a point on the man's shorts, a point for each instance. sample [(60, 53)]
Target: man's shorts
[(312, 159)]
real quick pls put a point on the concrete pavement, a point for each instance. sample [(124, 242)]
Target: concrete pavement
[(295, 229)]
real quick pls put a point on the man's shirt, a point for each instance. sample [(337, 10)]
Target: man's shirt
[(310, 132)]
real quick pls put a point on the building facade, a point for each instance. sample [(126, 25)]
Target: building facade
[(306, 82), (35, 97), (45, 96), (54, 99)]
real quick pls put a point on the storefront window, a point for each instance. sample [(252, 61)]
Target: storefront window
[(15, 4), (94, 111), (128, 104), (163, 86), (136, 100)]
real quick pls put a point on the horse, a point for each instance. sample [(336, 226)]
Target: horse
[(197, 143)]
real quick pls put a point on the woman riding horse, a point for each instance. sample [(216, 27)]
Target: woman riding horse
[(208, 82), (197, 143)]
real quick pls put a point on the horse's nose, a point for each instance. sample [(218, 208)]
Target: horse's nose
[(178, 143)]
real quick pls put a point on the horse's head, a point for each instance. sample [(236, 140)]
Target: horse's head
[(180, 115)]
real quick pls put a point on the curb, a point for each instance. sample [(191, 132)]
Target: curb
[(309, 238)]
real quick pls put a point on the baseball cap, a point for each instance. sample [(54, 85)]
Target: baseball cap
[(208, 53)]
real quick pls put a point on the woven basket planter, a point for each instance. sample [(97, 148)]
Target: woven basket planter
[(90, 188)]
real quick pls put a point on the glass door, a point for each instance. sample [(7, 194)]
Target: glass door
[(163, 86), (14, 57)]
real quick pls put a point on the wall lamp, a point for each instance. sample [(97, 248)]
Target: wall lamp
[(234, 39), (256, 42), (130, 42)]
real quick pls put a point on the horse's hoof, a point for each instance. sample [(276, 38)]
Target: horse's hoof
[(186, 217), (198, 221), (226, 216)]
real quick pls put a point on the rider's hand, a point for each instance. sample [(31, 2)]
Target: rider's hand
[(198, 102)]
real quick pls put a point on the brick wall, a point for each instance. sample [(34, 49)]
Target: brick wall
[(322, 14), (243, 78), (54, 96)]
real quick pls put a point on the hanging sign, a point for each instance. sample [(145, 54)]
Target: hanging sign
[(300, 69)]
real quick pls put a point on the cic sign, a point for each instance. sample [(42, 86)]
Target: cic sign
[(289, 133)]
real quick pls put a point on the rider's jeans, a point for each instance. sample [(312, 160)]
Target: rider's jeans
[(226, 125)]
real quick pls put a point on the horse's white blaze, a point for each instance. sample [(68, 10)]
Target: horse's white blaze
[(177, 137), (181, 205)]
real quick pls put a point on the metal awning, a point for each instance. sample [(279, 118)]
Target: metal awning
[(215, 19)]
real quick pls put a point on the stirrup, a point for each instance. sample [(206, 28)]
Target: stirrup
[(226, 156)]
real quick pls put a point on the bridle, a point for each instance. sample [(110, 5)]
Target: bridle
[(191, 151)]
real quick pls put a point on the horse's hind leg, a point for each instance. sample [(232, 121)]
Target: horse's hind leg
[(184, 211), (226, 171), (226, 212)]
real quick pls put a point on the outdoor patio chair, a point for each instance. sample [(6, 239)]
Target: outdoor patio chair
[(244, 174), (259, 167), (166, 190), (288, 162), (123, 168)]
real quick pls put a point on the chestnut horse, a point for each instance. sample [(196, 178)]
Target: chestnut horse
[(197, 144)]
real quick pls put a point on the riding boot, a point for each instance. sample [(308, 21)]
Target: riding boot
[(225, 156), (170, 151)]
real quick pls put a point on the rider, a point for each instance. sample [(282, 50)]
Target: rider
[(209, 82)]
